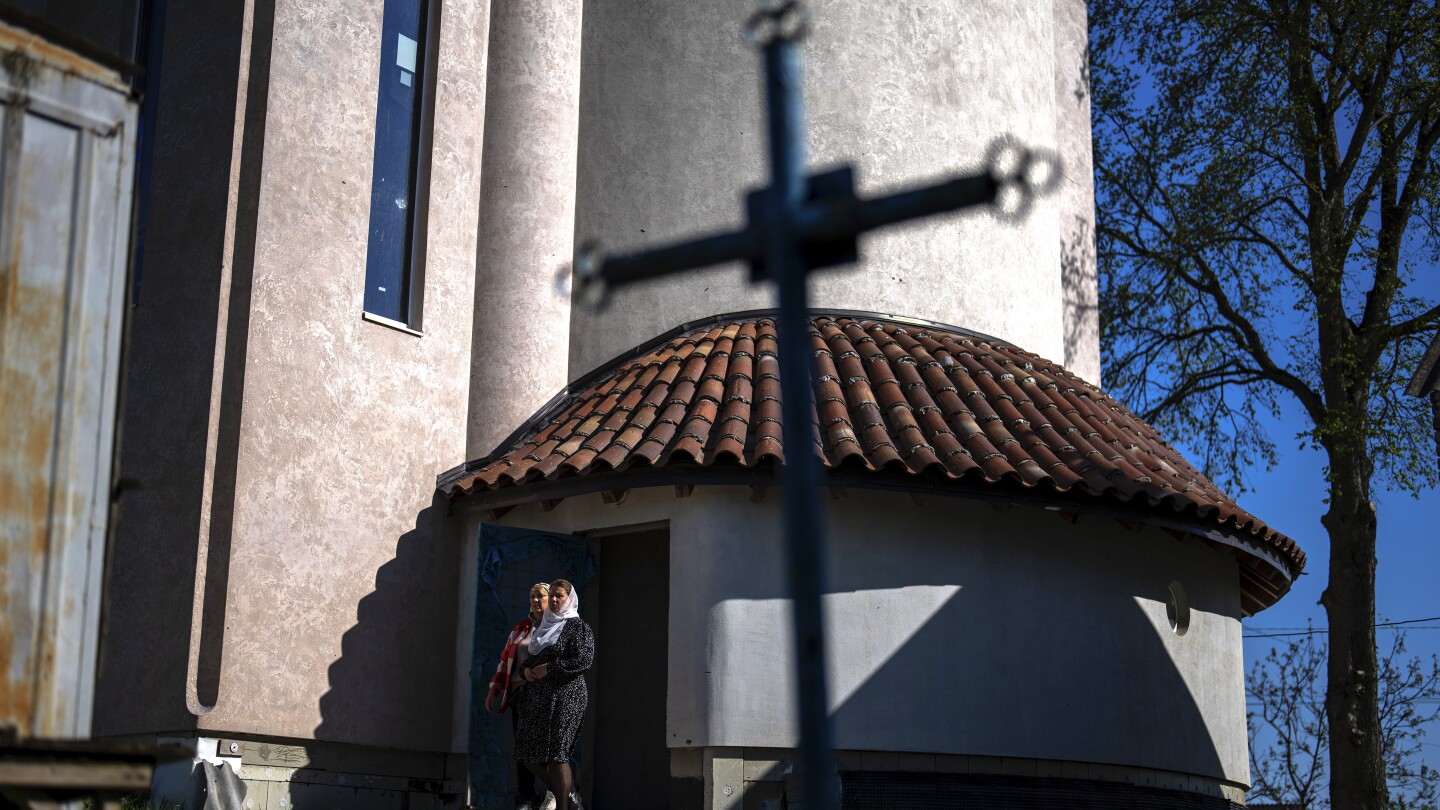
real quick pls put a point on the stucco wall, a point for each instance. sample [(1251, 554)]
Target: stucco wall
[(329, 606), (345, 421), (954, 629), (671, 135), (281, 568)]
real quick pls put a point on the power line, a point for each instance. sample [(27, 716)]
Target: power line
[(1251, 697), (1313, 631), (1277, 629)]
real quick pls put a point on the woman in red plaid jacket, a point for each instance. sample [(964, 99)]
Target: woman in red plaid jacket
[(508, 680)]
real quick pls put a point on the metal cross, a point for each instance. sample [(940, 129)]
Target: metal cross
[(795, 225)]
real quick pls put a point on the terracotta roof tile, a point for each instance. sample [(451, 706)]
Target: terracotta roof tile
[(933, 403)]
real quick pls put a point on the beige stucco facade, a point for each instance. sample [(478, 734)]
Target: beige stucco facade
[(281, 547), (283, 572), (672, 135)]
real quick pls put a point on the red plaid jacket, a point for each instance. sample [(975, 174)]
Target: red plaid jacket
[(500, 684)]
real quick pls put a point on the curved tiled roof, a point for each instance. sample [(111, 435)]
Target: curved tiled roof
[(927, 403)]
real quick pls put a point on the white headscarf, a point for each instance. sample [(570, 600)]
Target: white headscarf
[(549, 630)]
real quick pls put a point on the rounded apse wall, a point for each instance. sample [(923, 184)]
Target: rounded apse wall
[(956, 629), (672, 135), (953, 629)]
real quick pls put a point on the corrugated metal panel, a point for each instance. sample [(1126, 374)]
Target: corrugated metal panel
[(67, 131)]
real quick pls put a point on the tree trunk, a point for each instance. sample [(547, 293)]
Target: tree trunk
[(1357, 770), (1435, 418)]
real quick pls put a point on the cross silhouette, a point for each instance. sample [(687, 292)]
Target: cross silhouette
[(797, 224)]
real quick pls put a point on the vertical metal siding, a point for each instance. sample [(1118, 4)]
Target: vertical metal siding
[(66, 146)]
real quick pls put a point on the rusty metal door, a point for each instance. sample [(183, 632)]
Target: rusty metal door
[(67, 129)]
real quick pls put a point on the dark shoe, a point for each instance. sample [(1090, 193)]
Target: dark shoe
[(575, 801)]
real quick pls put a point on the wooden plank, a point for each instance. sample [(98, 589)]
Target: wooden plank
[(75, 775), (281, 756)]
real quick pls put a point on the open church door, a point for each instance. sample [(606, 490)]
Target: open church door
[(631, 597), (510, 561)]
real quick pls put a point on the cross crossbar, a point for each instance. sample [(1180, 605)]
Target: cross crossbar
[(831, 214)]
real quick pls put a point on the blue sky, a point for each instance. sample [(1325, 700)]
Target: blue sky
[(1290, 497)]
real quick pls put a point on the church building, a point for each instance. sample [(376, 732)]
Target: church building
[(362, 412)]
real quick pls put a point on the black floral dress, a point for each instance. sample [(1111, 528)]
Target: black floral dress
[(551, 708)]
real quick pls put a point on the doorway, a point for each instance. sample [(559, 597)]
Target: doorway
[(626, 730), (509, 560)]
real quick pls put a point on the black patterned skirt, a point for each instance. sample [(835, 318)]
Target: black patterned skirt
[(550, 713)]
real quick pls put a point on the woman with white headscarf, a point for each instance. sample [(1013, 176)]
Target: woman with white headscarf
[(553, 704)]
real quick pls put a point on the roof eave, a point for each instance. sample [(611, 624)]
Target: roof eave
[(1266, 563)]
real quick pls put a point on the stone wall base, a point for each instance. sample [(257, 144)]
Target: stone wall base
[(300, 774), (759, 778)]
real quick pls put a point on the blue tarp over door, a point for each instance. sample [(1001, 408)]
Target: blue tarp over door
[(499, 547)]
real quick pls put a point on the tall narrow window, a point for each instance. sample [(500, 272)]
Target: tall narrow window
[(398, 185)]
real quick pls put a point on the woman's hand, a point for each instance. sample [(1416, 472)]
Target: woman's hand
[(541, 671), (490, 703)]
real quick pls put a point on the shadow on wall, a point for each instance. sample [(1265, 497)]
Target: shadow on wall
[(1134, 707), (1079, 296), (1045, 652), (151, 595), (393, 684)]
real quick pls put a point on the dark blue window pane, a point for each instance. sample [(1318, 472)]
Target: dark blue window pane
[(392, 203)]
